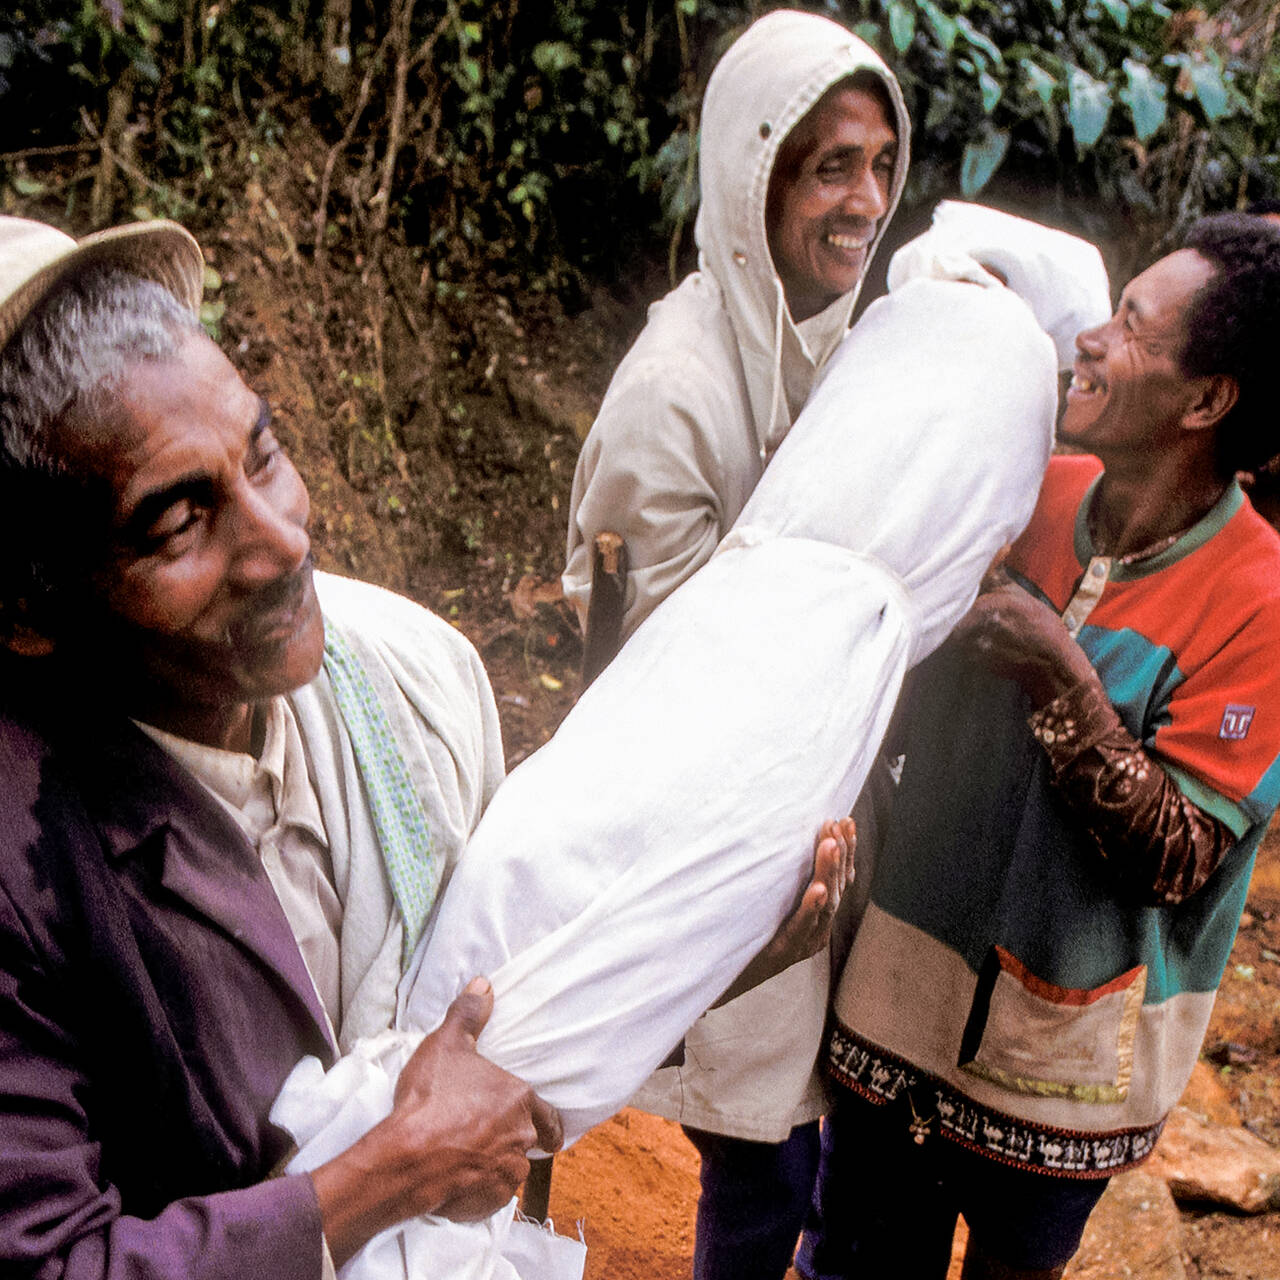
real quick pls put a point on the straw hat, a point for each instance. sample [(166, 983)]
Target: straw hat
[(35, 258)]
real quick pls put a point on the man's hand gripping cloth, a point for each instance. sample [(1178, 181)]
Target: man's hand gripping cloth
[(326, 1111), (625, 873)]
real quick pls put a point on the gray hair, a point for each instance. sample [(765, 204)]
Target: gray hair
[(70, 354), (75, 347)]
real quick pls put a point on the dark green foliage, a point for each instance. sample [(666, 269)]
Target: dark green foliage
[(546, 139), (1159, 109)]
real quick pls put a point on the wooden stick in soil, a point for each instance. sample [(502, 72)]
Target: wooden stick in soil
[(603, 636)]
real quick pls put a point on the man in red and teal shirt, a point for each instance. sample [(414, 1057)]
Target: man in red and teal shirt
[(1090, 764)]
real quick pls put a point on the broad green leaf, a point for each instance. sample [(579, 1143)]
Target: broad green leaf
[(941, 104), (1039, 81), (979, 41), (1119, 11), (992, 90), (902, 25), (553, 56), (944, 28), (982, 157), (1146, 97), (1088, 106), (1210, 88)]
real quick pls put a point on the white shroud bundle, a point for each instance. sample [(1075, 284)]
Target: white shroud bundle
[(626, 872)]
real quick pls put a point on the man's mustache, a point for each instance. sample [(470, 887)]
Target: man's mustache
[(262, 612)]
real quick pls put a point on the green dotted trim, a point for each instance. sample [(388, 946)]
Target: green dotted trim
[(404, 834)]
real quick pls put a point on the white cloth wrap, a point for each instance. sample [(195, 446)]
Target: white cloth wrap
[(1059, 276), (626, 872), (669, 790)]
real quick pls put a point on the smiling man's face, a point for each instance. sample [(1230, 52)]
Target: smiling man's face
[(1128, 388), (827, 194), (203, 602)]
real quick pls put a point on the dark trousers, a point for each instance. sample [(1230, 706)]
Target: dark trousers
[(885, 1205), (753, 1202)]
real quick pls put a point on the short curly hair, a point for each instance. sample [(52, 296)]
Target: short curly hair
[(1233, 327)]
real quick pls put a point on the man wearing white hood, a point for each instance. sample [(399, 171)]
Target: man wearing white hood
[(803, 156)]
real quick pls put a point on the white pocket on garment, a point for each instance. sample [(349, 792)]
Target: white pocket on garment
[(1031, 1036)]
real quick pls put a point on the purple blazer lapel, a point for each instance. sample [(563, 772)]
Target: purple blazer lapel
[(142, 794), (238, 899)]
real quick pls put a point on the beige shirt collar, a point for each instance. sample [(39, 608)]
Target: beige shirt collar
[(242, 783)]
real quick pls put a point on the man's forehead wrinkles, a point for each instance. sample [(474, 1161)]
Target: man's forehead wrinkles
[(187, 461), (843, 151)]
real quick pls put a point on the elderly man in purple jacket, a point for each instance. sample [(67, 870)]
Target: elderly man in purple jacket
[(188, 804)]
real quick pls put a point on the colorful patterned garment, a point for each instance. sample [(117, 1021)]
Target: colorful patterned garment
[(1035, 1011)]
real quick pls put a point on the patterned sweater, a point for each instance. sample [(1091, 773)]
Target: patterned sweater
[(1035, 1003)]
